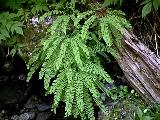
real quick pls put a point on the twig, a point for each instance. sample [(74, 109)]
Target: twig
[(155, 38)]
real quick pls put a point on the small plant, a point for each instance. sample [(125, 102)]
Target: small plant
[(149, 5), (9, 25)]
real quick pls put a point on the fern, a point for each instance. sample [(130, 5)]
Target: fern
[(69, 55)]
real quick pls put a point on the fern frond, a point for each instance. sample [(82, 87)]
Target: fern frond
[(57, 88), (65, 23), (61, 55), (84, 48), (88, 104), (79, 92), (69, 93), (89, 83), (75, 50), (72, 4), (81, 16), (97, 70), (106, 32), (86, 25)]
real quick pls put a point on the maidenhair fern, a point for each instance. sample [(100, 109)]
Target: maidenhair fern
[(68, 58)]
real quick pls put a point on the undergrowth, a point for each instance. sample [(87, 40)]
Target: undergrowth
[(68, 55)]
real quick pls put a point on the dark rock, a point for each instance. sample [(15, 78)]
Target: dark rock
[(22, 77), (31, 102), (4, 78), (43, 116), (43, 107), (8, 66), (12, 94)]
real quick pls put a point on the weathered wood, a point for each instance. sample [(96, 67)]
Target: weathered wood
[(141, 68)]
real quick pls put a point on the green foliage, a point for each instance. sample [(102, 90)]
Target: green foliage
[(9, 25), (13, 4), (38, 6), (117, 93), (141, 114), (34, 6), (147, 113), (112, 2), (68, 58), (149, 5)]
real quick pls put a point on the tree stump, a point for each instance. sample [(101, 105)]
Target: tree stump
[(141, 68)]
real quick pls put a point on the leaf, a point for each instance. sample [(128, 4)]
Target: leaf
[(147, 118), (108, 2), (19, 30), (156, 4), (4, 32), (2, 37), (9, 24), (13, 52), (145, 2), (33, 10), (146, 9), (139, 112)]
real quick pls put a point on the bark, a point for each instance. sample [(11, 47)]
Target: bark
[(141, 68)]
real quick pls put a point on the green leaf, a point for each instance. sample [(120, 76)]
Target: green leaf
[(145, 2), (146, 9), (147, 118), (156, 4), (2, 37), (139, 112), (19, 30), (4, 32), (13, 52), (34, 10)]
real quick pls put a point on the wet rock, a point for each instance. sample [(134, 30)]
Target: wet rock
[(12, 94), (43, 116), (27, 116), (43, 107)]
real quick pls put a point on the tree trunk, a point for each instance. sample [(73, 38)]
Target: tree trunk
[(141, 68)]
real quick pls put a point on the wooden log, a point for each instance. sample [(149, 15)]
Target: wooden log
[(141, 68)]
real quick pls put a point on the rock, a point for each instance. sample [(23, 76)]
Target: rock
[(31, 102), (22, 77), (4, 78), (27, 116), (43, 107), (123, 113), (12, 94), (8, 66), (43, 116)]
